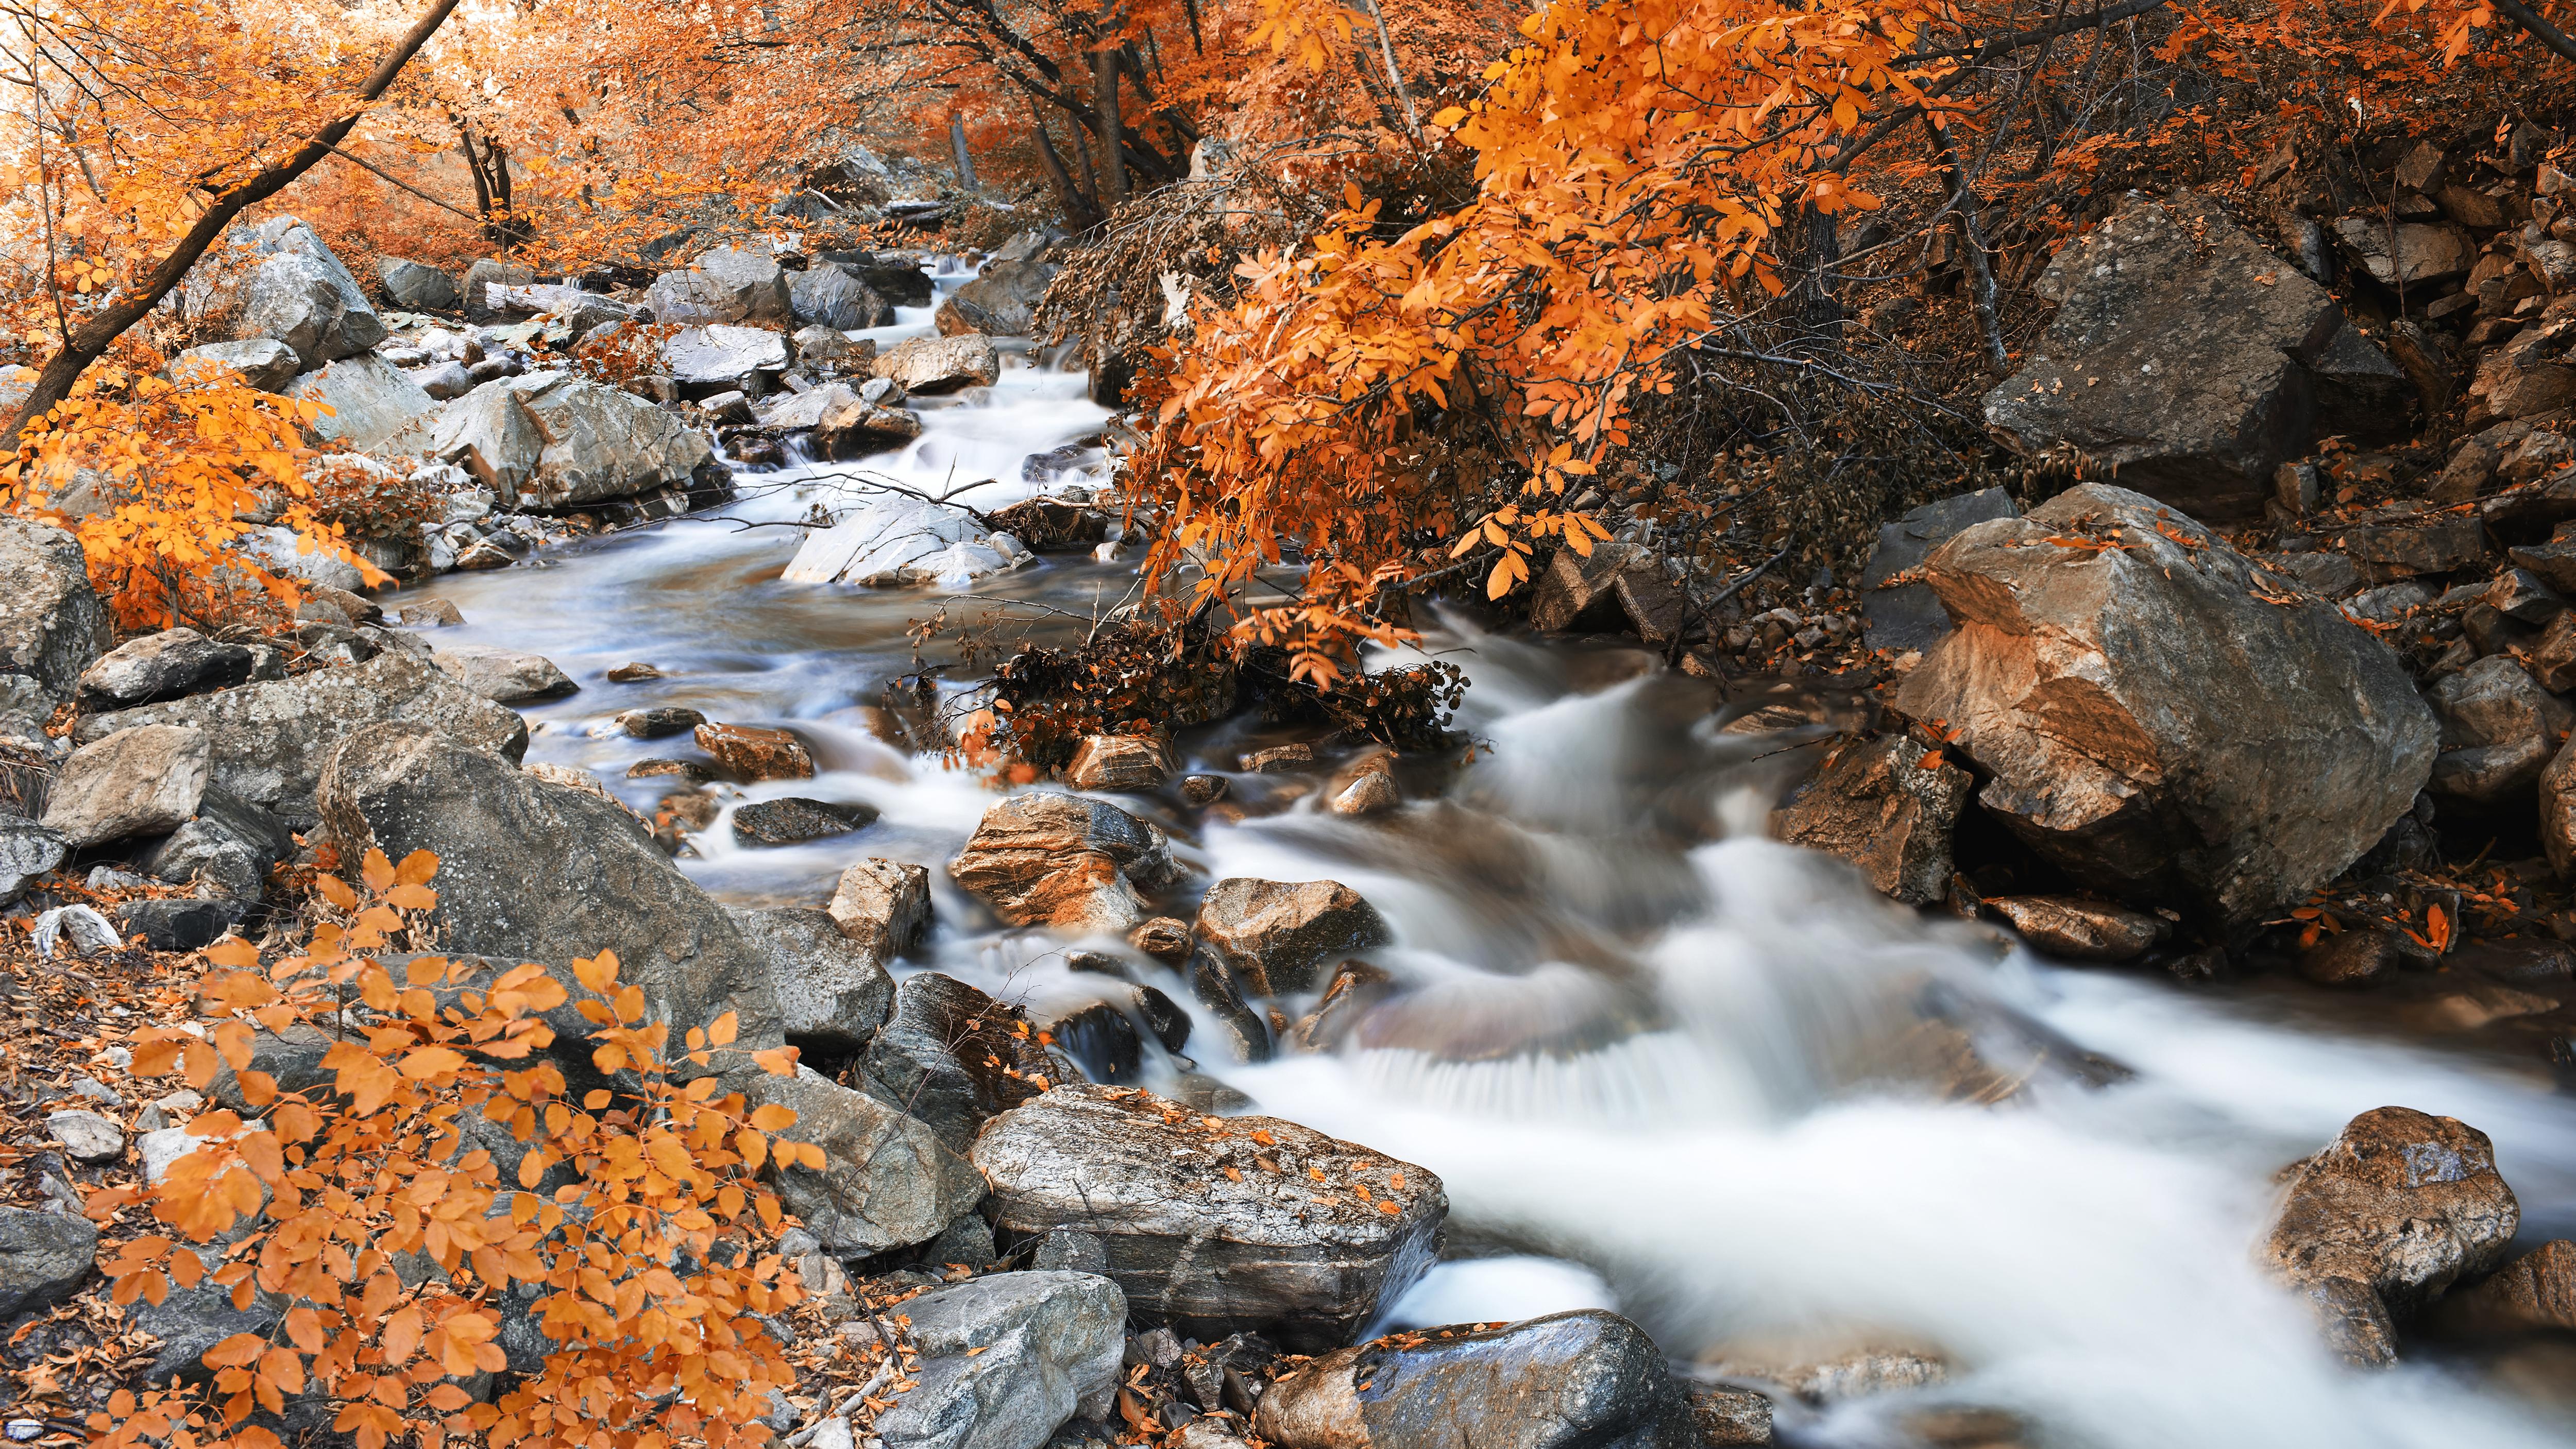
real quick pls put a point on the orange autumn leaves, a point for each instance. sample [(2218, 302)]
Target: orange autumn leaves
[(385, 1213)]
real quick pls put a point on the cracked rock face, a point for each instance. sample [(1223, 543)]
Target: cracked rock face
[(2158, 716), (887, 1180), (1051, 859)]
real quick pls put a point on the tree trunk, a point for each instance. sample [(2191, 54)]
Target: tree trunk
[(1105, 67), (957, 143), (92, 338), (1079, 209), (1972, 238)]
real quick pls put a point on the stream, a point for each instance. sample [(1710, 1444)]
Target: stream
[(1661, 1063)]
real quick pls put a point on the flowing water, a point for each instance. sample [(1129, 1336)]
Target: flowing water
[(1662, 1064)]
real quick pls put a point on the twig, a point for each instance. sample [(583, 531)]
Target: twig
[(405, 185)]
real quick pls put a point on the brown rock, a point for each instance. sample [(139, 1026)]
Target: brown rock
[(1051, 525), (2534, 1293), (1165, 938), (1580, 591), (1203, 789), (1372, 792), (2409, 254), (2072, 928), (1118, 762), (1355, 987), (2524, 378), (1278, 759), (1052, 859), (2355, 957), (630, 673), (2558, 810), (660, 722), (1276, 938), (753, 753), (1881, 807)]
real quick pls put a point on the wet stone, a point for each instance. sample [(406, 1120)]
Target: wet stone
[(754, 753), (689, 770), (2072, 928), (1278, 759), (660, 722), (634, 674), (1203, 789), (793, 820)]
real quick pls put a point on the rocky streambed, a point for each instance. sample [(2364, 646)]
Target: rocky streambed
[(1628, 1123)]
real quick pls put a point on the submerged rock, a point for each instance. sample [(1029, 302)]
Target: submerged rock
[(1887, 806), (2153, 720), (893, 541), (1051, 859), (1583, 1380), (1273, 1248), (1280, 939)]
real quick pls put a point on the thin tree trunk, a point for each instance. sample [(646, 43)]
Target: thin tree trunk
[(957, 143), (1386, 51), (1972, 238), (1104, 91), (93, 337), (1077, 208)]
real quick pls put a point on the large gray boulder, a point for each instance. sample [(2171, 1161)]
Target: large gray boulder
[(719, 357), (1585, 1380), (2400, 1206), (43, 1257), (172, 664), (2188, 361), (941, 364), (2159, 719), (1308, 1261), (1003, 299), (263, 362), (52, 623), (724, 285), (1050, 859), (416, 285), (830, 989), (828, 294), (955, 1058), (140, 781), (278, 280), (553, 440), (267, 742), (1007, 1360), (536, 872), (887, 1181), (370, 399)]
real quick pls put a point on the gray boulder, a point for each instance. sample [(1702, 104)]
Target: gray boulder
[(1007, 1360), (827, 294), (509, 844), (886, 1182), (2186, 360), (1876, 804), (504, 676), (268, 741), (278, 280), (1003, 299), (2396, 1209), (1052, 859), (43, 1258), (481, 277), (263, 362), (941, 364), (829, 988), (1904, 615), (370, 400), (172, 664), (724, 285), (844, 424), (553, 440), (140, 781), (1304, 1260), (881, 906), (27, 850), (52, 623), (718, 358), (228, 848), (1585, 1380), (416, 285), (1280, 939), (2499, 731), (2152, 726), (954, 1058)]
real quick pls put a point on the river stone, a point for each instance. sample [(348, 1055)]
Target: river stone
[(1050, 859), (792, 821), (2535, 1293), (887, 1180), (2186, 360), (140, 781), (268, 740), (508, 847), (842, 421), (228, 848), (1279, 939), (484, 274), (728, 284), (882, 906), (52, 623), (1880, 806), (895, 540), (370, 400), (941, 364), (43, 1258), (2410, 254), (659, 721), (263, 362), (1304, 1261), (278, 280), (753, 753), (503, 676), (719, 358), (829, 988), (1583, 1380), (2499, 731), (2072, 928), (553, 440), (827, 294), (1003, 299), (954, 1057), (416, 286), (86, 1136), (2150, 726), (1118, 762), (27, 850), (1007, 1360), (1904, 615), (2395, 1210), (169, 665)]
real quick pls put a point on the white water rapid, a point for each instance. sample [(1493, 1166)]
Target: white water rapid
[(1661, 1064)]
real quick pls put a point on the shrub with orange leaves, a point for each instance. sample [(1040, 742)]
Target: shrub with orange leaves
[(378, 1211)]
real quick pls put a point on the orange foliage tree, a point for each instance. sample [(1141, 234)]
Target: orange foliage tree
[(379, 1213)]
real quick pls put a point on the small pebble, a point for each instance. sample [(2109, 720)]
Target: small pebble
[(24, 1430), (634, 673)]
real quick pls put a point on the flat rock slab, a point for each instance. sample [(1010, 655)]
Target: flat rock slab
[(140, 781), (1308, 1261), (1585, 1380)]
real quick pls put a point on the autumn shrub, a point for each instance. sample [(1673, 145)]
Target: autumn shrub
[(390, 1218)]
